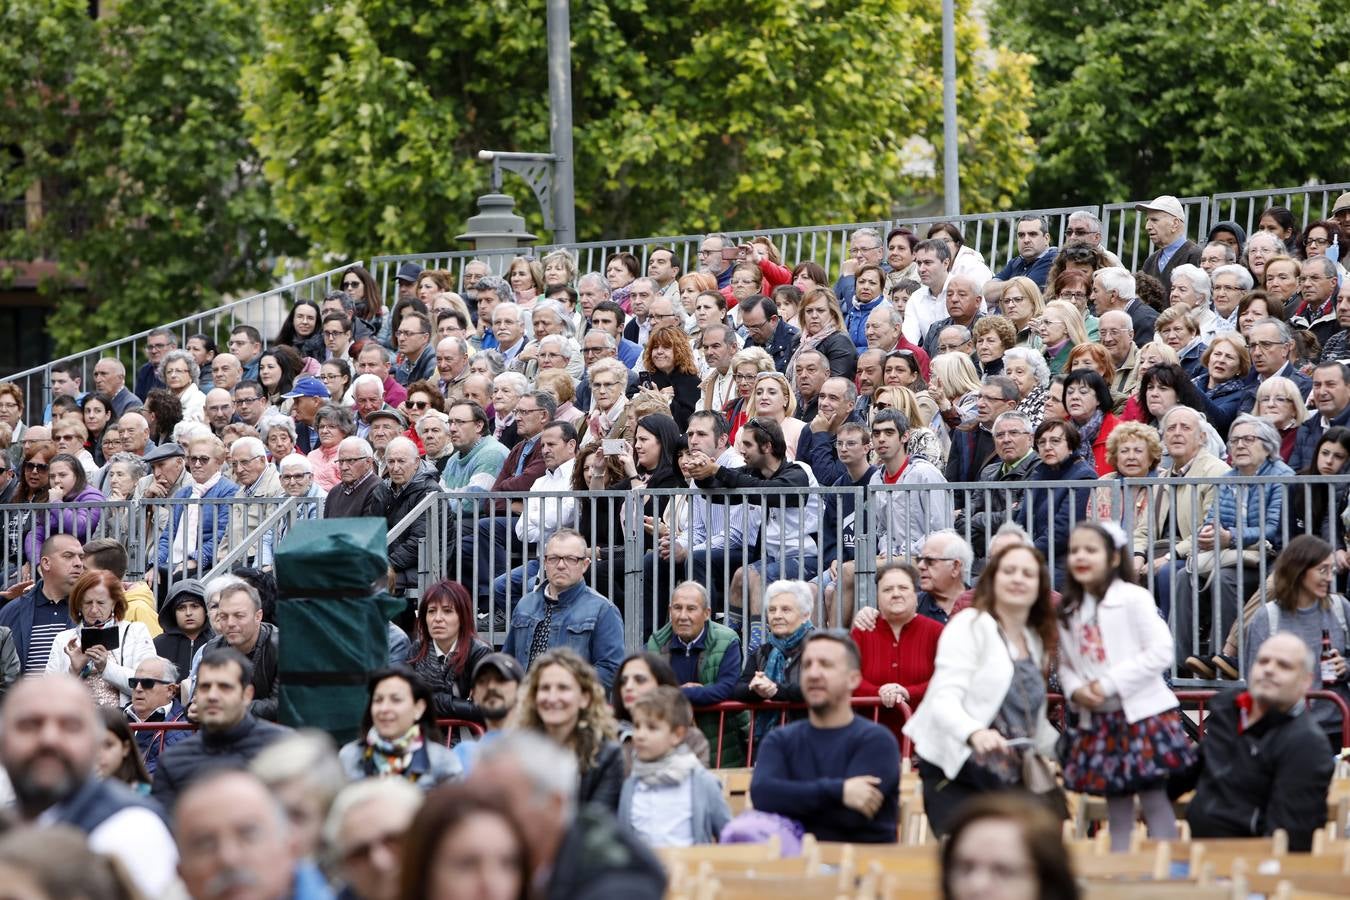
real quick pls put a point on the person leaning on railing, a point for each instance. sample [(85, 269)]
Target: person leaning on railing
[(772, 669)]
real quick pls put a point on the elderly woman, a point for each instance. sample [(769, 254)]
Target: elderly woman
[(823, 330), (898, 653), (1087, 401), (1074, 286), (179, 372), (487, 362), (559, 384), (669, 368), (988, 687), (994, 336), (1192, 291), (772, 670), (526, 277), (1023, 304), (1061, 329), (1281, 280), (1027, 367), (507, 389), (97, 602), (333, 423), (1279, 402), (620, 271), (1133, 450), (746, 366), (1247, 522), (560, 267), (1223, 379), (609, 405), (1178, 329), (1261, 248), (278, 433)]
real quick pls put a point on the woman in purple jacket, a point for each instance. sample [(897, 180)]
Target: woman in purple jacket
[(70, 486)]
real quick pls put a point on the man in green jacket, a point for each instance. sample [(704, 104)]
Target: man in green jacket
[(707, 661)]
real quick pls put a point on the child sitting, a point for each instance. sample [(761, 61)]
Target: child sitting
[(670, 800)]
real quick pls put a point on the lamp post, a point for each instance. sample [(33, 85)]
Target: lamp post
[(951, 180)]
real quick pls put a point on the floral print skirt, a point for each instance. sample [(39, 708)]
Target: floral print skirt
[(1109, 756)]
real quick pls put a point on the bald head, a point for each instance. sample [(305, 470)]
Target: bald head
[(226, 371), (49, 734), (219, 408)]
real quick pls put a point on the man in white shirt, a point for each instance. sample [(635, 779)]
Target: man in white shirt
[(50, 734), (541, 516), (928, 304)]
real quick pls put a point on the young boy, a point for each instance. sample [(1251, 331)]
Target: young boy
[(670, 800)]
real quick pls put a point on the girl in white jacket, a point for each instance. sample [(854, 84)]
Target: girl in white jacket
[(1124, 732)]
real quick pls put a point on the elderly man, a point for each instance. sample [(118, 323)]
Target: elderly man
[(367, 397), (1263, 763), (706, 657), (1317, 293), (1084, 227), (452, 367), (188, 546), (973, 445), (719, 344), (1331, 397), (813, 368), (50, 739), (1165, 222), (375, 360), (235, 839), (538, 781), (1117, 336), (385, 425), (1272, 345), (592, 290), (489, 293), (1338, 345), (1184, 508), (987, 510), (1034, 253), (226, 371), (945, 565), (418, 360), (566, 612), (1114, 288), (219, 410), (765, 329), (366, 825), (408, 479), (110, 379), (1229, 284), (642, 294), (508, 324), (360, 491), (933, 258), (1191, 291), (835, 772), (1216, 254), (135, 432), (154, 698), (257, 479)]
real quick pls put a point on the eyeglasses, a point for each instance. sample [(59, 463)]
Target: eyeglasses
[(520, 411), (1315, 242), (1008, 435), (747, 378), (1267, 345), (558, 559), (859, 251), (159, 346), (585, 351), (1241, 440), (1072, 295), (351, 460), (35, 467), (1113, 332), (604, 385), (240, 400), (248, 459), (418, 404), (402, 333), (929, 560), (332, 333), (146, 684), (295, 476), (351, 284), (330, 376), (198, 460)]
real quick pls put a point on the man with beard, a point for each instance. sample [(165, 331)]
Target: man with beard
[(50, 733), (496, 683)]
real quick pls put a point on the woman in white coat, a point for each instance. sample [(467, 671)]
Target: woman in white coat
[(1124, 727), (985, 705), (97, 601)]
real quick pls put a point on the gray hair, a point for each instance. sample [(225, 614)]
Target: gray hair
[(1013, 529), (167, 670), (1264, 237), (957, 547), (389, 793), (567, 259), (556, 308), (370, 379), (285, 423), (496, 363), (651, 282), (401, 441), (432, 415), (891, 313), (308, 757), (850, 389), (1178, 410), (867, 232), (513, 380), (1229, 254), (1006, 386), (548, 767), (546, 402), (118, 366), (800, 591), (461, 346), (1197, 276), (254, 446), (1014, 415), (194, 370), (296, 461), (1040, 369), (510, 307), (164, 333), (1265, 433), (344, 299), (962, 333), (134, 464), (597, 279), (1083, 215), (386, 355), (1324, 263), (360, 446), (1241, 273), (497, 284), (1119, 280), (1286, 333), (703, 595), (726, 240), (333, 414), (609, 341)]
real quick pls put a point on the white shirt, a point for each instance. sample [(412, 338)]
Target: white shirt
[(544, 515), (138, 839), (922, 311), (664, 814)]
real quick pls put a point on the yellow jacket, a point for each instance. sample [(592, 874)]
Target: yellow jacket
[(141, 608)]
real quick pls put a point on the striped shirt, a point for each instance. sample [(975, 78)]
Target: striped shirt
[(50, 618)]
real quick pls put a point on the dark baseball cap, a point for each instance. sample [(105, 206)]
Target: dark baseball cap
[(505, 664), (409, 272)]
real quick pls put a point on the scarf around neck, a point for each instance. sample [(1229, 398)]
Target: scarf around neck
[(672, 769), (392, 757)]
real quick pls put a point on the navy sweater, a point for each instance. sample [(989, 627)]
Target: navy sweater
[(800, 772)]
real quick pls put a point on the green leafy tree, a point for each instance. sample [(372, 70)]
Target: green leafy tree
[(1142, 97), (153, 196), (688, 116)]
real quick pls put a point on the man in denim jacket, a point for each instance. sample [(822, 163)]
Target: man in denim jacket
[(565, 612)]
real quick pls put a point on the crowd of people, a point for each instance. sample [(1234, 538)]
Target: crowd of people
[(754, 384)]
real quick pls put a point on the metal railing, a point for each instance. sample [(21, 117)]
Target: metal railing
[(265, 311), (1309, 203)]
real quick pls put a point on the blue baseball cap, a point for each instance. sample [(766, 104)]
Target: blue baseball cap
[(307, 386)]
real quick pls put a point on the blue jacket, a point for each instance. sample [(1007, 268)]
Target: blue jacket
[(1067, 506), (1253, 529), (1038, 269), (1224, 402), (17, 616), (215, 524), (855, 318), (782, 345), (1309, 433), (584, 620)]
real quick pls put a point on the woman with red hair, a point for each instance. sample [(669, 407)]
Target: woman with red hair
[(97, 603), (448, 648)]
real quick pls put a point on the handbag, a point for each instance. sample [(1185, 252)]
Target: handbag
[(1038, 773)]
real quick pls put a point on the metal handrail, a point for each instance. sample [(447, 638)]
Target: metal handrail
[(224, 564)]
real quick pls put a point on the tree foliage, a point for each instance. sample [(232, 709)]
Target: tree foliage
[(688, 115), (1141, 97), (133, 124)]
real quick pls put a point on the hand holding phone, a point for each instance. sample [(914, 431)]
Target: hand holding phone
[(613, 446)]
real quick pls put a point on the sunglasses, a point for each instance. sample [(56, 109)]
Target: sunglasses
[(198, 460), (35, 467), (146, 684), (417, 404)]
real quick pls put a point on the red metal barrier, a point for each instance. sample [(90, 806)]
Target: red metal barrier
[(733, 706)]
